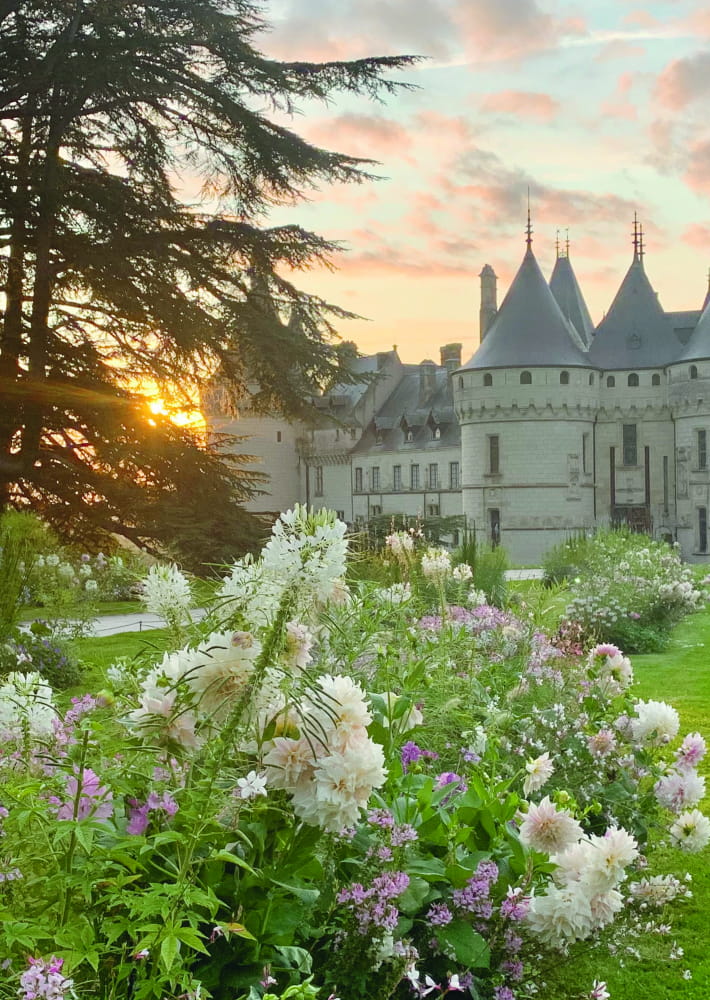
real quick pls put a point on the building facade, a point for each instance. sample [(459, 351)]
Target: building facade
[(552, 427)]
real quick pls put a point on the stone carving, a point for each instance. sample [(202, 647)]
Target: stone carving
[(682, 458)]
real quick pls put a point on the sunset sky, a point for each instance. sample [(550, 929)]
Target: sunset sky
[(600, 108)]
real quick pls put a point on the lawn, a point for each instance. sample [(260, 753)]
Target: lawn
[(681, 676)]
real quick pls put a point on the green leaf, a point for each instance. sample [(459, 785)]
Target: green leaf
[(306, 895), (169, 948), (295, 958), (430, 868), (464, 944), (190, 937), (232, 859), (414, 896)]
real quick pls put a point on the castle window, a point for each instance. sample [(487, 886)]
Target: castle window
[(629, 442), (632, 380), (358, 480), (460, 381), (414, 477), (379, 437), (610, 382), (701, 440), (353, 433), (454, 475), (655, 380), (494, 525), (585, 453), (591, 379), (432, 510), (434, 476), (488, 379), (702, 529), (409, 436), (493, 454), (564, 378), (437, 433), (375, 510), (318, 480), (693, 371), (278, 437), (397, 477), (340, 514), (525, 378), (375, 478)]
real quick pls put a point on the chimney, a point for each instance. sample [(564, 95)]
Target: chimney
[(489, 299), (427, 380), (451, 357)]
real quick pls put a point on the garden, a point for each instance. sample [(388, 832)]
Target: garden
[(361, 775)]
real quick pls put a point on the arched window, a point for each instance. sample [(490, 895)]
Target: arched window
[(488, 379), (525, 378), (610, 382), (564, 378), (591, 378), (460, 381), (633, 379), (693, 372), (655, 380)]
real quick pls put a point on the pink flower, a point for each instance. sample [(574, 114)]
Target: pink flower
[(94, 799)]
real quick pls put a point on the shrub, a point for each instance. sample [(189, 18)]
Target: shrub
[(567, 560)]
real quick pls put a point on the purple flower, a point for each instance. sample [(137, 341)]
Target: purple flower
[(447, 778), (45, 979), (516, 905), (439, 915), (381, 817), (403, 833), (94, 799), (503, 993), (411, 753)]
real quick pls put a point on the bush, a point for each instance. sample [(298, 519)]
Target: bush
[(566, 561), (631, 590)]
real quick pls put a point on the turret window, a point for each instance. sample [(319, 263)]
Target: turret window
[(460, 381), (493, 454), (610, 382), (525, 378), (701, 441), (564, 378), (629, 441), (693, 371), (632, 380), (655, 380), (488, 379), (591, 379)]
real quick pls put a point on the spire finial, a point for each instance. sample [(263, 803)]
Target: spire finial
[(635, 240), (567, 243), (642, 249), (529, 229), (557, 244)]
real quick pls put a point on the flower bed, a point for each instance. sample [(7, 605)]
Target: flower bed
[(365, 794)]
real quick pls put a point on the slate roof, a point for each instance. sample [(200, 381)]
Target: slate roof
[(636, 332), (568, 294), (698, 347), (530, 330), (418, 408)]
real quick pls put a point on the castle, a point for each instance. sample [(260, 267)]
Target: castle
[(552, 427)]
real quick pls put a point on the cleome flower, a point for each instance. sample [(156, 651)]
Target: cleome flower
[(547, 829)]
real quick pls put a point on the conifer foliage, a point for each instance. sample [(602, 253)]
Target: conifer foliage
[(113, 282)]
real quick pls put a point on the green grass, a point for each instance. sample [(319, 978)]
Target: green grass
[(103, 608), (97, 654), (680, 676)]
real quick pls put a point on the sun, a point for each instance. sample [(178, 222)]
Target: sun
[(191, 418)]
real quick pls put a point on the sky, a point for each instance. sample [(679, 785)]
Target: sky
[(597, 107)]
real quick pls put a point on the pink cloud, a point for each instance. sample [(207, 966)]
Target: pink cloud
[(697, 236), (523, 103), (697, 175), (493, 30), (368, 136), (640, 18), (684, 81), (619, 106)]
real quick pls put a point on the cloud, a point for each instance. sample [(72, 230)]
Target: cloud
[(353, 29), (494, 30), (523, 104), (697, 236), (684, 81), (368, 136), (619, 105), (697, 175)]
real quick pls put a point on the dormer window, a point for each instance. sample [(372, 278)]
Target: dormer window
[(488, 379), (379, 437), (693, 371), (610, 382), (525, 378), (437, 433), (632, 380), (564, 378), (409, 436)]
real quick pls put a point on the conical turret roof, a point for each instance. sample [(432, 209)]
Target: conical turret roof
[(529, 330), (565, 288), (635, 333), (698, 347)]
